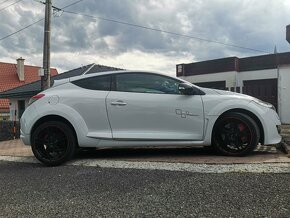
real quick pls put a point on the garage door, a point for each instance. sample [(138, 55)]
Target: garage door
[(265, 89)]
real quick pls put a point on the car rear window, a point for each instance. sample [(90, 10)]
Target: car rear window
[(95, 83)]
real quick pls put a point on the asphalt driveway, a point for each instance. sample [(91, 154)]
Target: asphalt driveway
[(31, 190), (169, 182)]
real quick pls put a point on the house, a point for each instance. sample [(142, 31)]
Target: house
[(18, 97), (266, 77), (15, 75)]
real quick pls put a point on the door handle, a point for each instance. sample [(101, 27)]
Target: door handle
[(118, 103)]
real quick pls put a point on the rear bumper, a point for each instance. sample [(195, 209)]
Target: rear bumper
[(279, 129), (25, 138)]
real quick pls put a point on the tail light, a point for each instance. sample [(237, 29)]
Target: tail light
[(35, 98)]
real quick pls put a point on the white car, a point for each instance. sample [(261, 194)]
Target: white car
[(131, 109)]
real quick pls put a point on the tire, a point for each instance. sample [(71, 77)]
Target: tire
[(53, 143), (235, 134)]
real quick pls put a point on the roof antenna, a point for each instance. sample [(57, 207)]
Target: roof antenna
[(89, 69)]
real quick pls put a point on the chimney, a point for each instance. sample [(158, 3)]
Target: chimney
[(20, 68)]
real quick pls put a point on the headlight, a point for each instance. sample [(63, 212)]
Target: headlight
[(264, 104)]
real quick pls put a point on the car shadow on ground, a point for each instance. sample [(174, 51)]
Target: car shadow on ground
[(142, 152)]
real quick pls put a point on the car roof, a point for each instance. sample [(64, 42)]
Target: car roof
[(59, 82), (115, 72), (71, 79)]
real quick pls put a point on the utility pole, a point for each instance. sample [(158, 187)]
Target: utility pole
[(288, 33), (45, 79)]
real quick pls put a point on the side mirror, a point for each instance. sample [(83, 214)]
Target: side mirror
[(185, 89)]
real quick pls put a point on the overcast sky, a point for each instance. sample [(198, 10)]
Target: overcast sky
[(78, 40)]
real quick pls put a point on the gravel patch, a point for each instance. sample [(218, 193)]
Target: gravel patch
[(181, 167)]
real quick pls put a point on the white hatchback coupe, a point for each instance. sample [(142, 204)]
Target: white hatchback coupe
[(132, 109)]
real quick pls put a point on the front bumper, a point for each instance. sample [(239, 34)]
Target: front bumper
[(271, 124)]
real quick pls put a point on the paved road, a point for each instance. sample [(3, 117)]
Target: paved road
[(31, 190)]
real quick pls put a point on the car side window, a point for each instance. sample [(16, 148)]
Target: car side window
[(95, 83), (146, 83)]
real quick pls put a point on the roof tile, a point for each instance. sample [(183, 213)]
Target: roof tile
[(9, 78)]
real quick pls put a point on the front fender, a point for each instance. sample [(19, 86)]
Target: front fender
[(218, 108), (213, 110)]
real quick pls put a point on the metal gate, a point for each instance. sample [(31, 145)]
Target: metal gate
[(264, 89)]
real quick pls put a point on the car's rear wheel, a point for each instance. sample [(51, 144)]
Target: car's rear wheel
[(53, 143), (235, 134)]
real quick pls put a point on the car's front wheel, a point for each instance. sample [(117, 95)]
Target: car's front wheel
[(53, 143), (235, 134)]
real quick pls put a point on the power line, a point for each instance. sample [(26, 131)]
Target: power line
[(57, 7), (130, 24), (72, 4), (165, 31), (11, 34), (39, 2), (10, 5), (4, 2)]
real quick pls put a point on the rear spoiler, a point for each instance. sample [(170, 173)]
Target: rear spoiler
[(60, 82)]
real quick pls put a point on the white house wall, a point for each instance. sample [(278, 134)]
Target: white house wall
[(256, 75), (283, 87), (235, 79), (14, 106), (284, 95), (229, 77)]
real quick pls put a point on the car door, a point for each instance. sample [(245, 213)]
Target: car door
[(90, 104), (145, 106)]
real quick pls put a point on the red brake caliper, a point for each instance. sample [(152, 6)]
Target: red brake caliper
[(242, 127)]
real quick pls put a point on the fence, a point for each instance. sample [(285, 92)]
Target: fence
[(9, 130)]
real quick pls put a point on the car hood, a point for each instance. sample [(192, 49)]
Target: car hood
[(208, 91)]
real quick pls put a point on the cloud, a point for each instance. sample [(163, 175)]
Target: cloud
[(133, 60), (77, 40)]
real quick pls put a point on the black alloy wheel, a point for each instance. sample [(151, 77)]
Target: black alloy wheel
[(53, 143), (235, 134)]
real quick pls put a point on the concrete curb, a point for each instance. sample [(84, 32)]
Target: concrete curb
[(182, 167)]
